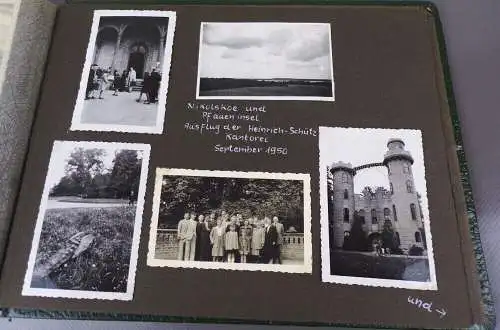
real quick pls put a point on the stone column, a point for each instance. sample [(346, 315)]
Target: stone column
[(121, 29), (161, 51)]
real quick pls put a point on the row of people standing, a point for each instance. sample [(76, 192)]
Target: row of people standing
[(230, 239), (100, 79)]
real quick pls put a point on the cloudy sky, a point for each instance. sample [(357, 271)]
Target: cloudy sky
[(265, 50), (363, 146)]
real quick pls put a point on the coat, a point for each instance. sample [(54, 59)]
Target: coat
[(203, 248), (257, 240), (270, 248), (217, 239)]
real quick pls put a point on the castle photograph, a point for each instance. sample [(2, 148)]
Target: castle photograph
[(125, 77), (374, 208)]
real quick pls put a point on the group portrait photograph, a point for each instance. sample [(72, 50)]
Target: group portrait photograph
[(229, 222)]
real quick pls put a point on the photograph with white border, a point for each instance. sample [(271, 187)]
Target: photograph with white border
[(86, 238), (125, 76), (231, 220), (265, 61), (375, 226)]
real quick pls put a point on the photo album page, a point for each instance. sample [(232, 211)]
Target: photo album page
[(251, 163)]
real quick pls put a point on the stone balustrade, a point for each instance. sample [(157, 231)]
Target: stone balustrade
[(167, 245)]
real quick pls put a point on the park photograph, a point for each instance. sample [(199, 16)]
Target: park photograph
[(375, 224), (231, 220), (86, 237), (265, 61)]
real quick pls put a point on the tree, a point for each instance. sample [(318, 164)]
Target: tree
[(125, 174), (81, 167), (357, 240), (389, 238)]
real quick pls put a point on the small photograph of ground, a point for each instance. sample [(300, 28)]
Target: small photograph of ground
[(85, 233), (284, 61)]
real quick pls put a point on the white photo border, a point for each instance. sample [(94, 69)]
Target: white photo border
[(326, 275), (27, 290), (276, 98), (76, 124), (305, 268)]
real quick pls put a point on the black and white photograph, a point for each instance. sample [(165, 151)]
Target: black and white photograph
[(126, 72), (87, 232), (231, 220), (265, 61), (375, 226)]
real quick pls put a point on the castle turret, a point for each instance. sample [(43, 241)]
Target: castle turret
[(406, 212), (342, 195)]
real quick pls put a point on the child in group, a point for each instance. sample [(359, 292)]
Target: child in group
[(231, 242), (245, 240)]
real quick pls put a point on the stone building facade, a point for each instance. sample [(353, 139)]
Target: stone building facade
[(400, 205), (123, 42)]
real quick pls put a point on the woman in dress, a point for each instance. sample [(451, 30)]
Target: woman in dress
[(245, 240), (257, 241), (217, 239), (231, 242)]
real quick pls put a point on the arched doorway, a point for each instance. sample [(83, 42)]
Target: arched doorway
[(137, 59)]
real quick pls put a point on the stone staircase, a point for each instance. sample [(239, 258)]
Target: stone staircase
[(138, 85)]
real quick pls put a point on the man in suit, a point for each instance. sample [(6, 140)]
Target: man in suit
[(280, 229), (270, 241), (186, 232)]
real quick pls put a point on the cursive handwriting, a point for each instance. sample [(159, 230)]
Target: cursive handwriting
[(427, 306)]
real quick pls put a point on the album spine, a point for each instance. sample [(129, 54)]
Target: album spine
[(479, 276), (21, 73)]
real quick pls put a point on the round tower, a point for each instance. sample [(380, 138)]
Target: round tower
[(407, 218), (343, 201)]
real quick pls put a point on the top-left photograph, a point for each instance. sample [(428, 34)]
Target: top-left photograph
[(125, 77)]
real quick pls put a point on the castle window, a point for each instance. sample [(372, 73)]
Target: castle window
[(387, 213), (413, 211), (346, 194), (406, 168), (347, 234), (392, 189), (361, 215), (346, 215), (409, 186), (374, 217), (418, 238), (345, 178), (394, 212)]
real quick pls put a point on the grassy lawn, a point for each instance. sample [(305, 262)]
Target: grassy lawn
[(360, 265), (75, 199), (103, 267)]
